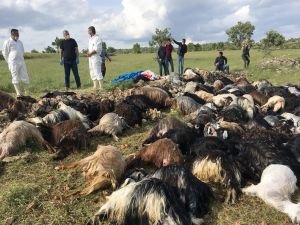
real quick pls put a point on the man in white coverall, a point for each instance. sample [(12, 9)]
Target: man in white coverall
[(95, 46), (13, 53)]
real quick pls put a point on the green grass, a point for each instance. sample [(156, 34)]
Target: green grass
[(46, 74), (32, 192)]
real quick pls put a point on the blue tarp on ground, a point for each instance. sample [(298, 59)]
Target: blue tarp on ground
[(127, 76)]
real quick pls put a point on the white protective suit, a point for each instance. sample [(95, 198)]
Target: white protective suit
[(13, 53), (95, 44)]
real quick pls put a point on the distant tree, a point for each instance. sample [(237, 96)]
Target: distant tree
[(111, 50), (56, 43), (273, 39), (159, 36), (49, 49), (84, 51), (34, 51), (191, 47), (136, 48), (198, 47), (240, 32)]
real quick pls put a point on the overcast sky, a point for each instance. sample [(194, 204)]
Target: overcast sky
[(121, 23)]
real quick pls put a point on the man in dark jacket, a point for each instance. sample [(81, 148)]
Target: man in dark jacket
[(246, 55), (69, 57), (221, 63), (104, 56), (169, 59), (182, 49), (161, 58)]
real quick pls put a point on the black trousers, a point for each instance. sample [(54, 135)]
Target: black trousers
[(71, 65), (103, 69)]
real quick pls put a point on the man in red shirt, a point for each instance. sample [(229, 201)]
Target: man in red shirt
[(169, 49)]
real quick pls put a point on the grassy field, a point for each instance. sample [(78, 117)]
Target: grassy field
[(46, 74), (32, 192)]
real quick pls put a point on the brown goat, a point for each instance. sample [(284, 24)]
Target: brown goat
[(67, 136), (163, 152), (102, 169), (259, 98), (218, 85)]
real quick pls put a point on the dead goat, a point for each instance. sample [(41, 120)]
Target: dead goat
[(163, 152), (276, 103), (131, 114), (159, 96), (111, 124), (17, 135), (15, 108), (67, 136), (102, 169), (63, 112), (162, 127), (186, 105)]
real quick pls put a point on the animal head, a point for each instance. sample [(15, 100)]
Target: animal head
[(135, 176)]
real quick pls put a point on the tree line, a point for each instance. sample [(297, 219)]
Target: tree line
[(237, 34)]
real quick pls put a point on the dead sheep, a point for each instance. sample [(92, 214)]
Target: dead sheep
[(276, 103), (163, 152), (17, 135), (67, 136), (186, 105), (162, 127), (102, 169), (111, 124), (131, 114), (159, 96)]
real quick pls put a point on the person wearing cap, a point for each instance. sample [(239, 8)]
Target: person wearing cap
[(13, 53), (182, 49), (69, 56)]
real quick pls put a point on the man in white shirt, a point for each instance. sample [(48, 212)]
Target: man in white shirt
[(13, 53), (94, 57)]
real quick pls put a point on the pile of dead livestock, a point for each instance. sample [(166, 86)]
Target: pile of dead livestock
[(228, 132)]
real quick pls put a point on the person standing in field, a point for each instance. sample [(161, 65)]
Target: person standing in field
[(69, 57), (104, 56), (95, 60), (161, 58), (246, 55), (182, 49), (13, 53), (169, 59)]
